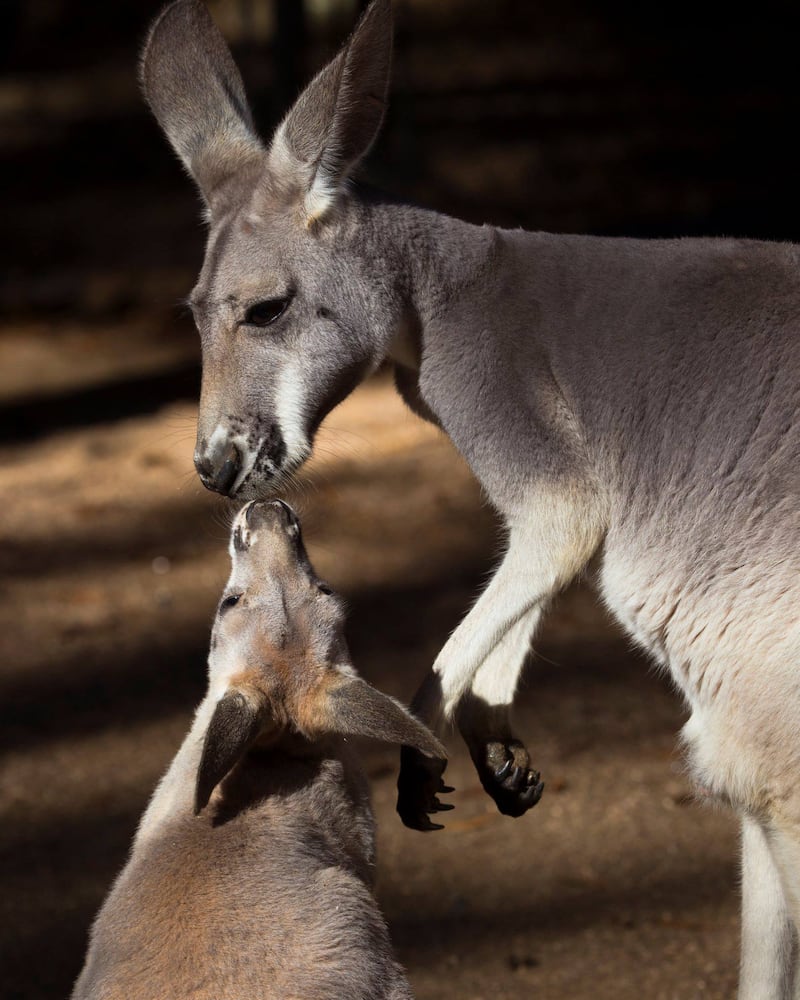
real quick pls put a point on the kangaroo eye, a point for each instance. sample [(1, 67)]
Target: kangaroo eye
[(323, 588), (229, 601), (266, 312)]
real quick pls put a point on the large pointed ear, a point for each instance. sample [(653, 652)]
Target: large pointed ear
[(234, 726), (195, 91), (356, 708), (336, 118)]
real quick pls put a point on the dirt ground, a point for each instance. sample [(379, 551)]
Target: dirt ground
[(616, 885)]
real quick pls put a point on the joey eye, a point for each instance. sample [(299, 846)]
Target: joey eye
[(229, 601), (323, 588), (266, 312)]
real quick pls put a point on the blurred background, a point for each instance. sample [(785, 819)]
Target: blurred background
[(577, 115)]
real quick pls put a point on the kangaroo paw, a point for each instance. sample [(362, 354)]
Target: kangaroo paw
[(418, 788), (506, 775)]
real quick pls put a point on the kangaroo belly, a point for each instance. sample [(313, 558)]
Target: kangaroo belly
[(728, 632)]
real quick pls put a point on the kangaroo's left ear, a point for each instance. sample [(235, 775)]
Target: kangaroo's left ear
[(355, 708), (336, 118), (235, 724), (195, 91)]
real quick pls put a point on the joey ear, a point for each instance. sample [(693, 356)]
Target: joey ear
[(337, 117), (235, 724), (195, 91), (356, 708)]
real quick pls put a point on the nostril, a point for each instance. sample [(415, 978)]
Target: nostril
[(229, 469), (218, 472)]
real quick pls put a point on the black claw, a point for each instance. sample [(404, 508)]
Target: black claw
[(503, 770), (531, 795), (447, 788), (419, 821), (512, 782), (419, 783)]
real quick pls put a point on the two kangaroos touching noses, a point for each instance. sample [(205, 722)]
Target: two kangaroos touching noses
[(636, 398)]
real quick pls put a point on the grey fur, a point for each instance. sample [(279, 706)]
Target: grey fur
[(267, 893), (640, 399)]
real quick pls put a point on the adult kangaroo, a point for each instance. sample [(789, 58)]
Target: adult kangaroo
[(635, 397)]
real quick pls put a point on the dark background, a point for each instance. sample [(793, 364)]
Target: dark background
[(618, 118)]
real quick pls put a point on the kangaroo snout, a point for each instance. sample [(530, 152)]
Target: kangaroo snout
[(268, 513), (242, 457), (218, 464), (274, 517)]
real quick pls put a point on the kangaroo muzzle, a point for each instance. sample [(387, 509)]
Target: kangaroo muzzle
[(218, 466), (272, 513), (239, 459)]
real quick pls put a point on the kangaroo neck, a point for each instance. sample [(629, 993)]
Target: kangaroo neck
[(434, 261)]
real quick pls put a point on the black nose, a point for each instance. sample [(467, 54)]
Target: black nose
[(219, 468)]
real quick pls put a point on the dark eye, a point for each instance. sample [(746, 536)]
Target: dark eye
[(323, 588), (229, 601), (266, 312)]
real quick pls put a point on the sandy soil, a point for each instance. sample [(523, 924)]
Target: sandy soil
[(616, 885)]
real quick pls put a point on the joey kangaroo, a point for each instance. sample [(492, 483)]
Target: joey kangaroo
[(250, 875), (635, 398)]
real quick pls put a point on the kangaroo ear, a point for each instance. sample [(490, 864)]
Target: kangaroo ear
[(195, 91), (336, 118), (356, 708), (235, 724)]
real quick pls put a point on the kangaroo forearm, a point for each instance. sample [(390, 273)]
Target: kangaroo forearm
[(545, 551)]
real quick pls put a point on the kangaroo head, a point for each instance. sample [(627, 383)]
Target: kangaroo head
[(279, 661), (290, 309)]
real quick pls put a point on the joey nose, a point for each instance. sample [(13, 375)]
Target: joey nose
[(274, 513), (218, 468)]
